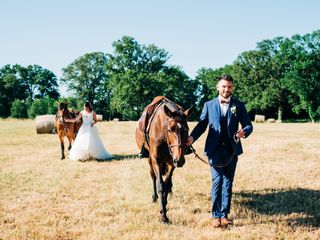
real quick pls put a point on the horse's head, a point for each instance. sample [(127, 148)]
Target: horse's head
[(62, 110), (176, 133)]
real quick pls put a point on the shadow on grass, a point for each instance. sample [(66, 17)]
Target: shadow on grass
[(275, 202), (120, 157)]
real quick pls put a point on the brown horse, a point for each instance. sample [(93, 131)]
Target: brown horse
[(66, 129), (165, 139)]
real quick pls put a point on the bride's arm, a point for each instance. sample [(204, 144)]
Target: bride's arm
[(74, 119)]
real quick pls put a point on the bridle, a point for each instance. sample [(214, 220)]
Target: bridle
[(171, 146), (62, 118)]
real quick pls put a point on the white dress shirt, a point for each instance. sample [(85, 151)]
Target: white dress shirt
[(224, 106)]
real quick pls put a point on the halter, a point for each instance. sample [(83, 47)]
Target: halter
[(170, 146), (61, 119)]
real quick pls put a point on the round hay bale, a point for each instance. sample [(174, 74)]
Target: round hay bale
[(45, 124), (271, 120), (99, 117), (259, 118)]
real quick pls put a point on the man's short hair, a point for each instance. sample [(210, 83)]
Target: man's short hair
[(226, 77)]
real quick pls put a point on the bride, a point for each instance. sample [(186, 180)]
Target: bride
[(88, 144)]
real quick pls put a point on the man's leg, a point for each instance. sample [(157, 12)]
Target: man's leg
[(228, 175), (217, 179)]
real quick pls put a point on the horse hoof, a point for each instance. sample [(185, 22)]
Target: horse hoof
[(154, 199), (165, 220), (62, 158)]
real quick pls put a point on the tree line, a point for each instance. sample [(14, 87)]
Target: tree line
[(280, 79)]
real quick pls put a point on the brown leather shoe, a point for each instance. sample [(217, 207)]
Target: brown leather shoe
[(226, 221), (216, 222)]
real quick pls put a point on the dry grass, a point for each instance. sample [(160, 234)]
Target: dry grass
[(276, 188)]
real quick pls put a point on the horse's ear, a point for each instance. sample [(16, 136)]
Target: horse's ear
[(188, 111), (167, 111)]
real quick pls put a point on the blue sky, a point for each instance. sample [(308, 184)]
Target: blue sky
[(196, 34)]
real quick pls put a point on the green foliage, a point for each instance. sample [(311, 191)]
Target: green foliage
[(138, 73), (11, 88), (88, 78), (39, 82), (303, 78), (25, 84), (281, 72), (281, 76), (19, 109), (261, 75), (42, 106), (73, 103)]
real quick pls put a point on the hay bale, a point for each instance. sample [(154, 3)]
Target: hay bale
[(45, 124), (259, 118), (99, 117), (271, 120), (116, 119)]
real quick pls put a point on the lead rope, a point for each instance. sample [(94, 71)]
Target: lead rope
[(206, 162), (197, 156)]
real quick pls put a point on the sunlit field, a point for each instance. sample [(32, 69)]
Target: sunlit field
[(276, 188)]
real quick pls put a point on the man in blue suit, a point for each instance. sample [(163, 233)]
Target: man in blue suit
[(223, 115)]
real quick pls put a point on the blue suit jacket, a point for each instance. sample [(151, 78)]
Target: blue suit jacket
[(210, 115)]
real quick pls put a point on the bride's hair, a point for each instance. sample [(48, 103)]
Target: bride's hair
[(88, 105)]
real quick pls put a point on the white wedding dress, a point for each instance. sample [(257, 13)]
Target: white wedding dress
[(88, 144)]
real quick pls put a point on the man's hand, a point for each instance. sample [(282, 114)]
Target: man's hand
[(241, 134), (189, 141)]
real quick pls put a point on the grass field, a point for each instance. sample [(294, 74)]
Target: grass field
[(276, 188)]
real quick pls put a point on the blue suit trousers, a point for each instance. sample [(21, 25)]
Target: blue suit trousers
[(221, 191)]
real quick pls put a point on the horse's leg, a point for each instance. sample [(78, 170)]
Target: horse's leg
[(168, 179), (154, 184), (160, 190), (167, 188), (61, 137), (70, 137)]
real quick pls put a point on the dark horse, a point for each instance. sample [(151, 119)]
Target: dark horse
[(66, 129), (164, 138)]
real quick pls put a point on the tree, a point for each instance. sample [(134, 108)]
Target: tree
[(42, 106), (262, 74), (19, 109), (138, 73), (25, 83), (178, 87), (303, 79), (282, 72), (11, 88), (39, 82), (88, 78), (135, 71)]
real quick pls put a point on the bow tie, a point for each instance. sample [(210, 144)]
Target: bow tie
[(223, 101)]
